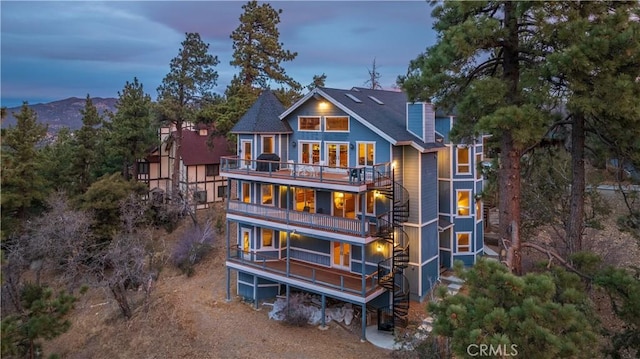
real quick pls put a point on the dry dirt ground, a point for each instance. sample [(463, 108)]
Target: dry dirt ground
[(188, 317)]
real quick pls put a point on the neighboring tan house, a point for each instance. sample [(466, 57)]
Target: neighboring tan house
[(199, 165), (356, 195)]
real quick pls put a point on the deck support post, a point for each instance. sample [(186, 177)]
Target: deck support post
[(255, 291), (324, 304), (364, 271), (364, 323), (228, 299), (288, 255)]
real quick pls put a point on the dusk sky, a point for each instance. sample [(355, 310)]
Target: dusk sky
[(53, 50)]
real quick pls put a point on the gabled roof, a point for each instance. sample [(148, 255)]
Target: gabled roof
[(263, 116), (196, 151), (383, 111)]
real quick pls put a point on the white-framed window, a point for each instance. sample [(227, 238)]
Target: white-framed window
[(246, 153), (309, 152), (267, 236), (305, 199), (266, 191), (246, 192), (370, 199), (245, 242), (463, 157), (463, 203), (336, 123), (366, 153), (478, 165), (268, 144), (463, 242), (309, 123)]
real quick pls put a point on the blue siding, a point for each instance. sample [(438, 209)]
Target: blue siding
[(466, 259), (357, 132), (316, 258), (445, 259), (466, 224), (443, 127), (444, 197), (311, 244), (479, 187), (429, 183), (430, 242), (415, 121), (479, 236), (323, 202), (430, 274), (356, 267)]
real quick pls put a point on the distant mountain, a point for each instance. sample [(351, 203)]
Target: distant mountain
[(62, 113)]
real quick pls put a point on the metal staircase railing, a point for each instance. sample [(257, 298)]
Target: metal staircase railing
[(391, 270)]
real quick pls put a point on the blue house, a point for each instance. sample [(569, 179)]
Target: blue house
[(357, 195)]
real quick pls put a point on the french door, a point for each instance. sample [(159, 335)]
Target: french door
[(338, 155), (341, 255)]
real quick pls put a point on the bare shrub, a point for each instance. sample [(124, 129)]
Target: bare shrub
[(60, 240), (192, 247), (295, 312)]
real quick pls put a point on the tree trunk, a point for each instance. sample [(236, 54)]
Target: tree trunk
[(120, 295), (509, 176), (509, 205), (575, 223), (175, 176)]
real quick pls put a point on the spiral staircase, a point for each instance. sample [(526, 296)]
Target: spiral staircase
[(391, 270)]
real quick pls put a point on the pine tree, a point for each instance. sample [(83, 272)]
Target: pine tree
[(543, 315), (59, 157), (87, 139), (43, 316), (486, 66), (258, 53), (130, 132), (594, 69), (184, 89), (23, 187), (318, 81), (257, 50)]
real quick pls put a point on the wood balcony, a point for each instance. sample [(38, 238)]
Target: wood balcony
[(298, 273), (234, 167), (349, 226)]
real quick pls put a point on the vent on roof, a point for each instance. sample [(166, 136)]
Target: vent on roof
[(376, 100), (355, 99)]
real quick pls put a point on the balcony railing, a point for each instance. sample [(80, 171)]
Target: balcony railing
[(326, 277), (304, 171), (348, 226)]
